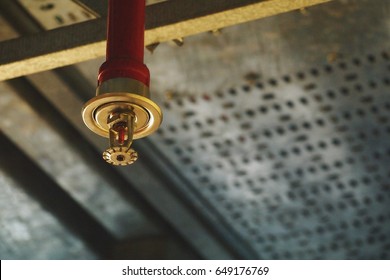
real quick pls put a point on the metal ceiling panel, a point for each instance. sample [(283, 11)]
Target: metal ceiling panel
[(294, 157), (53, 14), (299, 164), (28, 231)]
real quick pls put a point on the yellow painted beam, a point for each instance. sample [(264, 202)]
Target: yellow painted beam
[(232, 16), (165, 21)]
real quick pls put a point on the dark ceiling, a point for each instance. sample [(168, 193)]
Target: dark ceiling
[(274, 145)]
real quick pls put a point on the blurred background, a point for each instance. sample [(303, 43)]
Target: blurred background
[(274, 144)]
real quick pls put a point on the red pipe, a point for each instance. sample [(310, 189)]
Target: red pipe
[(125, 42)]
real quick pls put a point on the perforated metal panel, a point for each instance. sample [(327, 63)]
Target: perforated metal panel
[(298, 165)]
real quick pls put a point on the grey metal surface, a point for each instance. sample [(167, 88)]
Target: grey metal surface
[(22, 220), (294, 156), (300, 169), (53, 198)]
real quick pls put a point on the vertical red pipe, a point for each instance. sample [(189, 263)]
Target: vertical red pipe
[(125, 42)]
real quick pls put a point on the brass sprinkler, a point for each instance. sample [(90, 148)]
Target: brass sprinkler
[(122, 110)]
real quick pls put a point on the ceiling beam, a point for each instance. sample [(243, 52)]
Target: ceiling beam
[(164, 22)]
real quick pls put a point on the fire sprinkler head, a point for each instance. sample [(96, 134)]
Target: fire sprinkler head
[(121, 112)]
